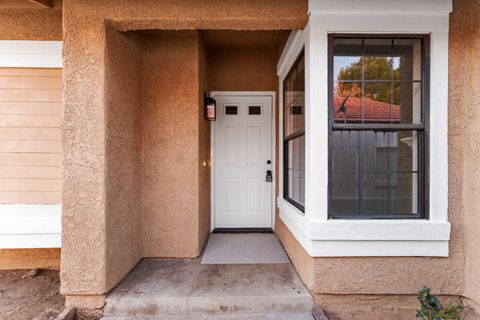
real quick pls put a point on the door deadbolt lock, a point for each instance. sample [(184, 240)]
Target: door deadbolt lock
[(269, 177)]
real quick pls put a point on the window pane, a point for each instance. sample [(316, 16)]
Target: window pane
[(344, 193), (376, 82), (296, 170), (347, 103), (407, 59), (374, 194), (407, 102), (374, 172), (347, 59), (344, 143), (231, 109), (377, 59), (376, 103), (294, 98), (404, 193)]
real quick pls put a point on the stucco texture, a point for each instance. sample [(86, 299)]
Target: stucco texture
[(97, 232), (464, 132), (123, 111), (32, 22), (171, 152)]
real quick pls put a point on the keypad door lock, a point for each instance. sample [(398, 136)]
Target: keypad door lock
[(269, 177)]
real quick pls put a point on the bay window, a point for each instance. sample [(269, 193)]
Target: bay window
[(294, 134), (366, 172)]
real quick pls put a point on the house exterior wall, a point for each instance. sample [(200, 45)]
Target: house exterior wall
[(355, 287), (30, 24), (204, 163), (242, 69), (123, 190), (464, 136), (17, 23), (171, 152), (105, 149), (88, 216)]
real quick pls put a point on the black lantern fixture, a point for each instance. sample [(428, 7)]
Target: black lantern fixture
[(210, 109)]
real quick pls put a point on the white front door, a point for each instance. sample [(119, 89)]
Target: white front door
[(242, 161)]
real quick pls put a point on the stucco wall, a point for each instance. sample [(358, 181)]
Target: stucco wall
[(242, 69), (464, 137), (86, 213), (204, 162), (36, 23), (123, 111), (171, 150)]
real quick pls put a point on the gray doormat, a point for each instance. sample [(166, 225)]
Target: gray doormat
[(244, 248)]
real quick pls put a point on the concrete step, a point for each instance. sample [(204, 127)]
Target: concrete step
[(186, 289), (247, 317)]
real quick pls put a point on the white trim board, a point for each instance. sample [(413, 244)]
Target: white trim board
[(381, 6), (30, 226), (31, 54), (313, 229), (271, 94)]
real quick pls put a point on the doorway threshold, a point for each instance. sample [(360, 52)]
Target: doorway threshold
[(242, 230)]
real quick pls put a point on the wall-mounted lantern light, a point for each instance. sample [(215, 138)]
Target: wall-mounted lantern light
[(210, 109)]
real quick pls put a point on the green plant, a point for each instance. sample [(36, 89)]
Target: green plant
[(432, 309)]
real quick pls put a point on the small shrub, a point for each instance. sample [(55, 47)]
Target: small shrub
[(432, 309)]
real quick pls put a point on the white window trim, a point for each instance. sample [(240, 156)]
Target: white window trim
[(317, 234), (30, 225)]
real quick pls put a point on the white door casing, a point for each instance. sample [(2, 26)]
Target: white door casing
[(242, 144)]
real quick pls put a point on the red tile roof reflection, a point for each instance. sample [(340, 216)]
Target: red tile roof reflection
[(373, 111)]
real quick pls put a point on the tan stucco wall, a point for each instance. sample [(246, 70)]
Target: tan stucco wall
[(171, 150), (88, 216), (242, 69), (123, 112), (204, 161), (464, 135), (35, 23)]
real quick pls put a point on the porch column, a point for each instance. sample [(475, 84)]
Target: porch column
[(101, 222)]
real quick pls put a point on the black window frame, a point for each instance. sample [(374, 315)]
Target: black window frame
[(423, 129), (287, 139)]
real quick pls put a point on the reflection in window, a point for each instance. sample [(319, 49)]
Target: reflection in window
[(377, 80), (377, 132), (294, 134)]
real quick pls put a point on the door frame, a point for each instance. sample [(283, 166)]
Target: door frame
[(271, 94)]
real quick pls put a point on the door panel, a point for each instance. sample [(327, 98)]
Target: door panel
[(243, 145)]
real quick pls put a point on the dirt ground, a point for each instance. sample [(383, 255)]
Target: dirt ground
[(30, 295)]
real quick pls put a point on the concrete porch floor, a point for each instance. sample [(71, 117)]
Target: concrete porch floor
[(186, 289)]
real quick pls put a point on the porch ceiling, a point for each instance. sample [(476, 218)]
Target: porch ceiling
[(244, 39), (266, 39)]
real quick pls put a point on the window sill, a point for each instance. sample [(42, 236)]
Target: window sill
[(336, 238)]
